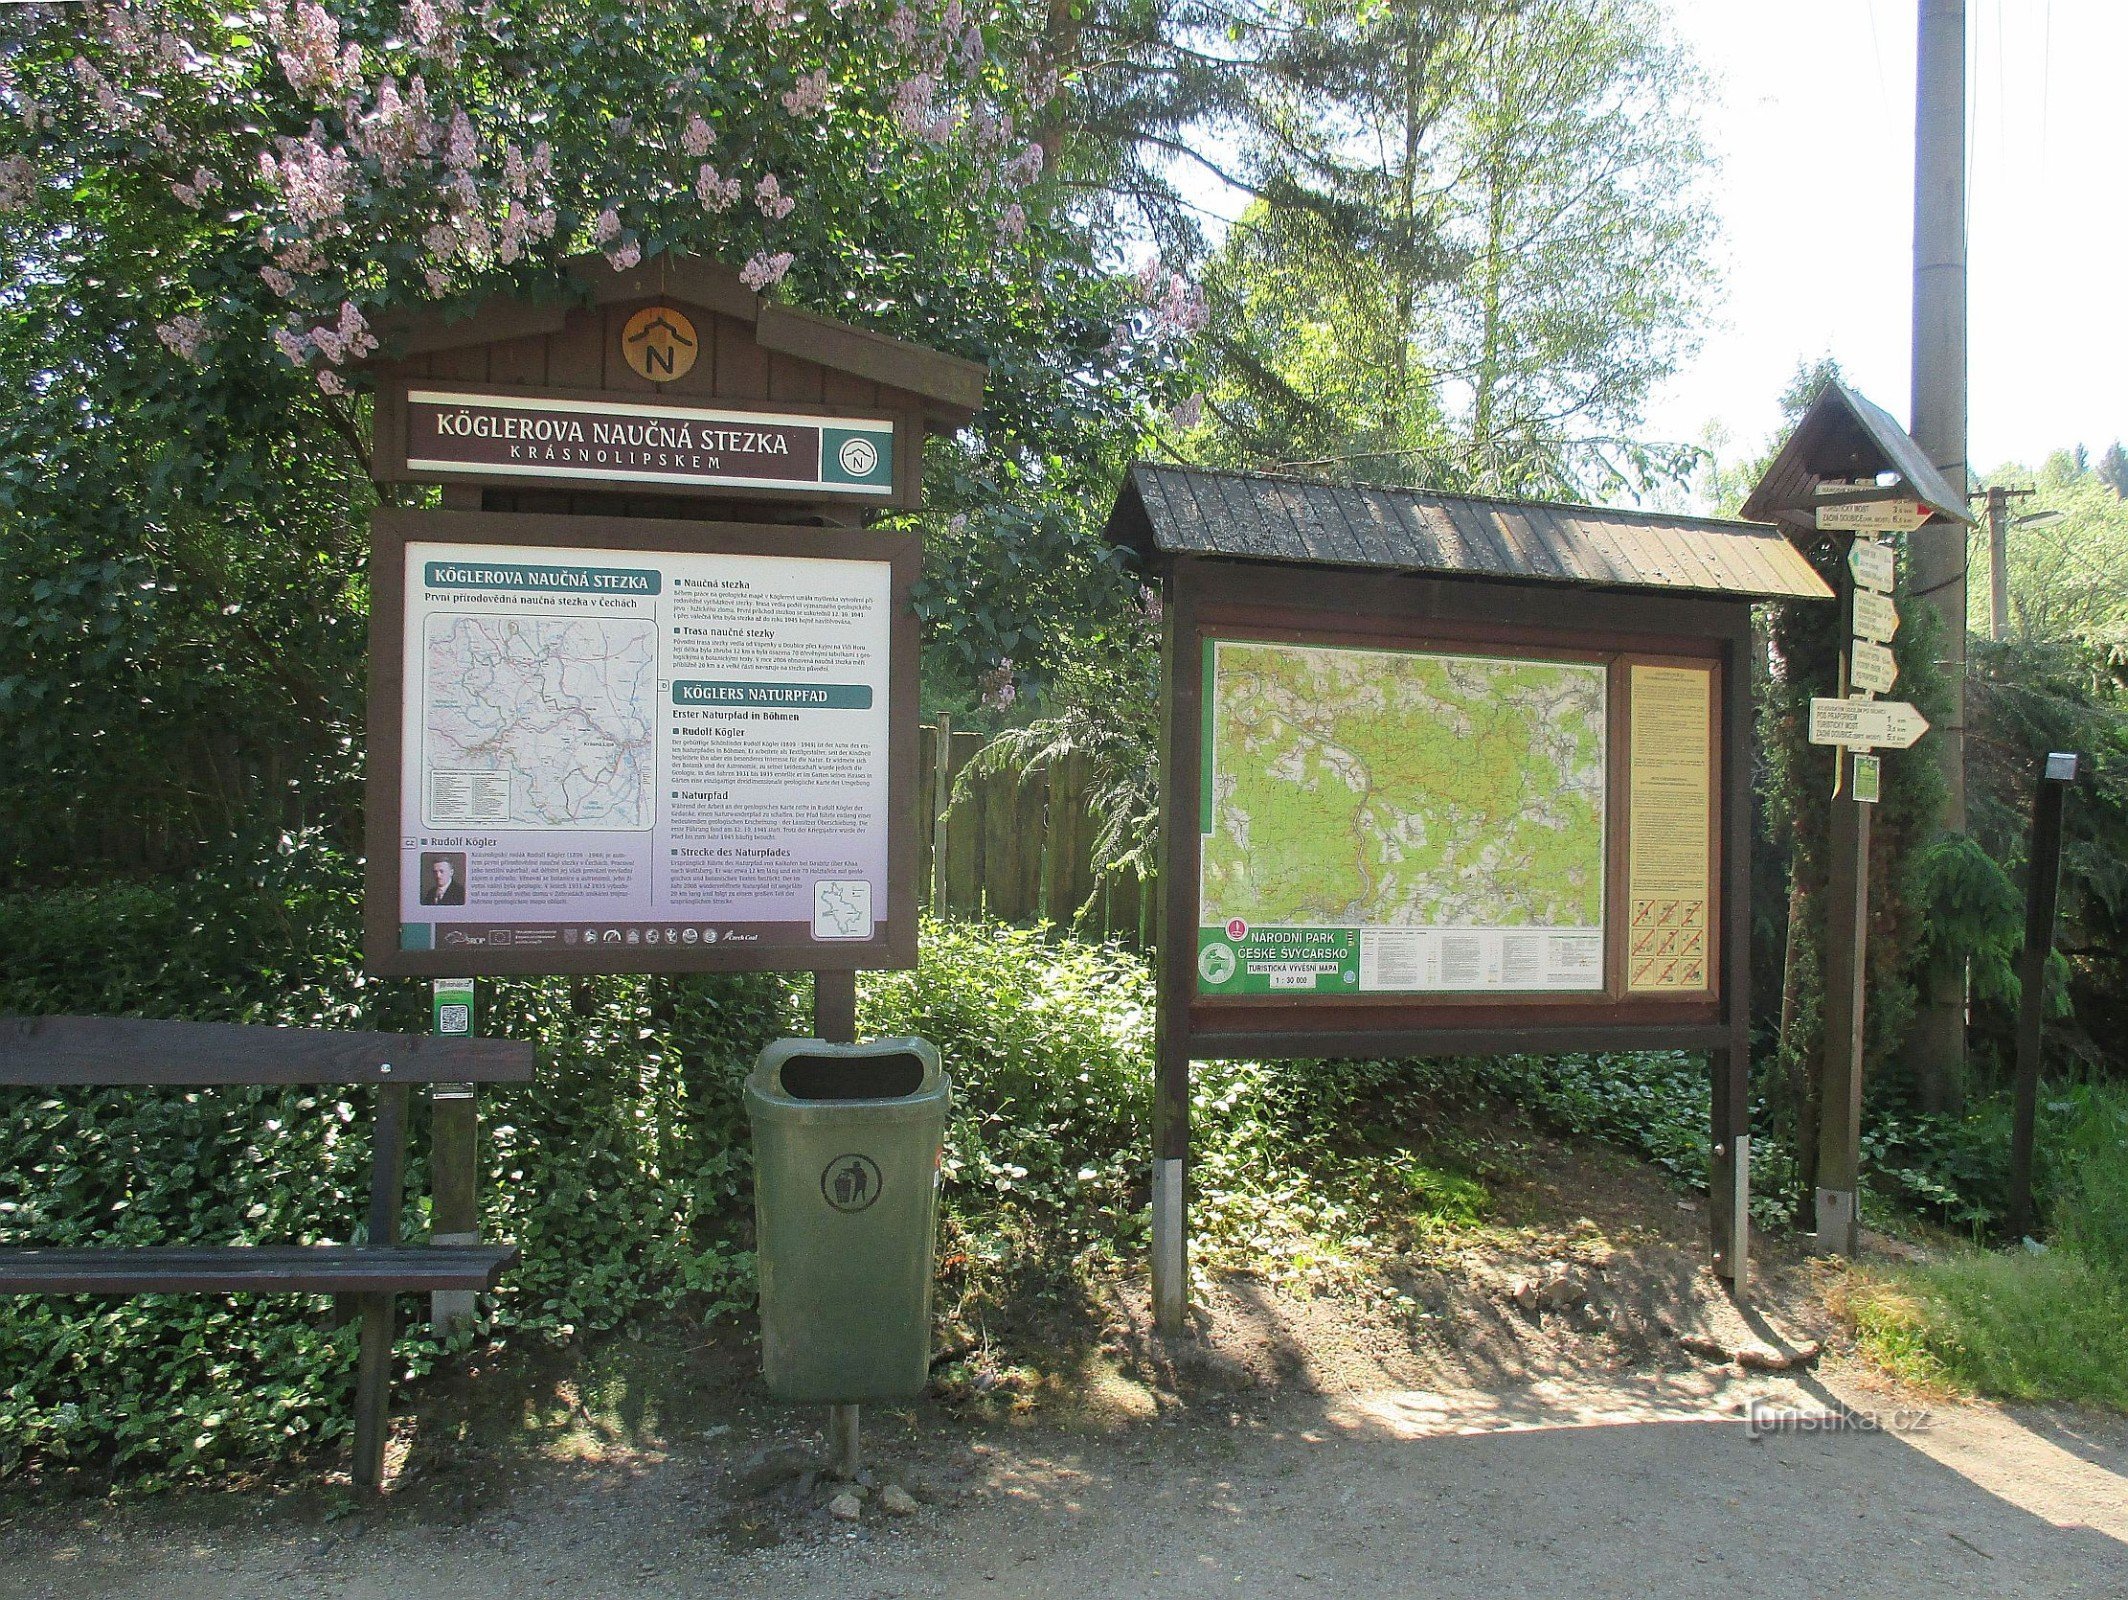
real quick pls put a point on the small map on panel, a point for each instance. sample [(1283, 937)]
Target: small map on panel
[(540, 722)]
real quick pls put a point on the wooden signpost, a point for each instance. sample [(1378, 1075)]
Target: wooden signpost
[(1448, 776), (1827, 487)]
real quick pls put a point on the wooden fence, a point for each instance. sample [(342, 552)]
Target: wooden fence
[(1014, 850)]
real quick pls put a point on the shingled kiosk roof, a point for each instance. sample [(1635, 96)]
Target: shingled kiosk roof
[(1258, 516)]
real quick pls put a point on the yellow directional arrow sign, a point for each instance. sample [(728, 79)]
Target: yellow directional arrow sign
[(1873, 565), (1866, 724), (1869, 516), (1875, 617), (1872, 667)]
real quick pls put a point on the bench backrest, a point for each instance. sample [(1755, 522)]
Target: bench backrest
[(53, 1051)]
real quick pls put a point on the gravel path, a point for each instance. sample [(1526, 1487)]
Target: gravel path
[(1627, 1487)]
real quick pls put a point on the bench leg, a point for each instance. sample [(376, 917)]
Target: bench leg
[(373, 1391)]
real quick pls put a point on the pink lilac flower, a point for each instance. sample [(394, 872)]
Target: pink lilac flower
[(278, 281), (912, 101), (903, 25), (437, 280), (463, 150), (625, 256), (118, 112), (1012, 222), (763, 269), (999, 691), (354, 331), (1188, 414), (1025, 167), (715, 193), (514, 176), (973, 50), (183, 334), (810, 94), (18, 181), (331, 382), (434, 28), (608, 226), (313, 178), (769, 196), (696, 138), (308, 37)]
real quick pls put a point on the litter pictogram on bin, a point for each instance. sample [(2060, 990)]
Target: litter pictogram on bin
[(850, 1182)]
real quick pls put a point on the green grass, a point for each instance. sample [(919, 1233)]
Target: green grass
[(2015, 1327)]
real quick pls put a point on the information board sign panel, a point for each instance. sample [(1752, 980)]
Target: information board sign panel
[(612, 754), (1400, 821), (1670, 826)]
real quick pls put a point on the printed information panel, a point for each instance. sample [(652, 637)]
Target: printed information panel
[(1670, 824), (1400, 821), (641, 749)]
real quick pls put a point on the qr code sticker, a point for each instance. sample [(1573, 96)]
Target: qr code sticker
[(454, 1018)]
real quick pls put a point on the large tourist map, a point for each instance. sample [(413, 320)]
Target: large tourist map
[(541, 722), (1395, 820)]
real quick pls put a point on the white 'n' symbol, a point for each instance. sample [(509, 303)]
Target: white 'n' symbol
[(858, 457)]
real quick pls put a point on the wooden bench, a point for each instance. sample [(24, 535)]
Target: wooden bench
[(53, 1052)]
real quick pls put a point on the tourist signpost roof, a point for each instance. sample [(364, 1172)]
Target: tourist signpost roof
[(1449, 774)]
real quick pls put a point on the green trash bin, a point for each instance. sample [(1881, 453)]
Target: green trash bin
[(846, 1147)]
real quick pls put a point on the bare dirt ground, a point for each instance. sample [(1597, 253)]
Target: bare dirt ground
[(1554, 1405)]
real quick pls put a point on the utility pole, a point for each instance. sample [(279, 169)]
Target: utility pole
[(1937, 1044), (1999, 500)]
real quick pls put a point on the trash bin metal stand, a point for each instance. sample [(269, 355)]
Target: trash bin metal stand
[(835, 1020)]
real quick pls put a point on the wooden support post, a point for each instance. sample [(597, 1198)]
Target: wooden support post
[(2042, 898), (1175, 957), (454, 1183), (1729, 1170), (373, 1372), (454, 1134), (1729, 1069), (941, 805), (1839, 1225)]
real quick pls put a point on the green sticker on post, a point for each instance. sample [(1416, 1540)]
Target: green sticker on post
[(452, 1000), (1869, 779)]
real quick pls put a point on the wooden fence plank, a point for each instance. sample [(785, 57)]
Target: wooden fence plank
[(1016, 851)]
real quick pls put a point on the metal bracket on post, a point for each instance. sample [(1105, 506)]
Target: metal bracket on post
[(1171, 1274), (1740, 1217), (1839, 1223), (845, 1454)]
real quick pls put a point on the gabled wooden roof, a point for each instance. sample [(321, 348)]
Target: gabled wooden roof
[(949, 388), (1846, 438), (1261, 517)]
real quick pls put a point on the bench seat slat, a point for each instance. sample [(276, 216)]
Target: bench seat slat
[(51, 1052), (266, 1269)]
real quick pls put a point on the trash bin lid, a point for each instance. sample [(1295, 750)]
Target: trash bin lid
[(813, 1071)]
